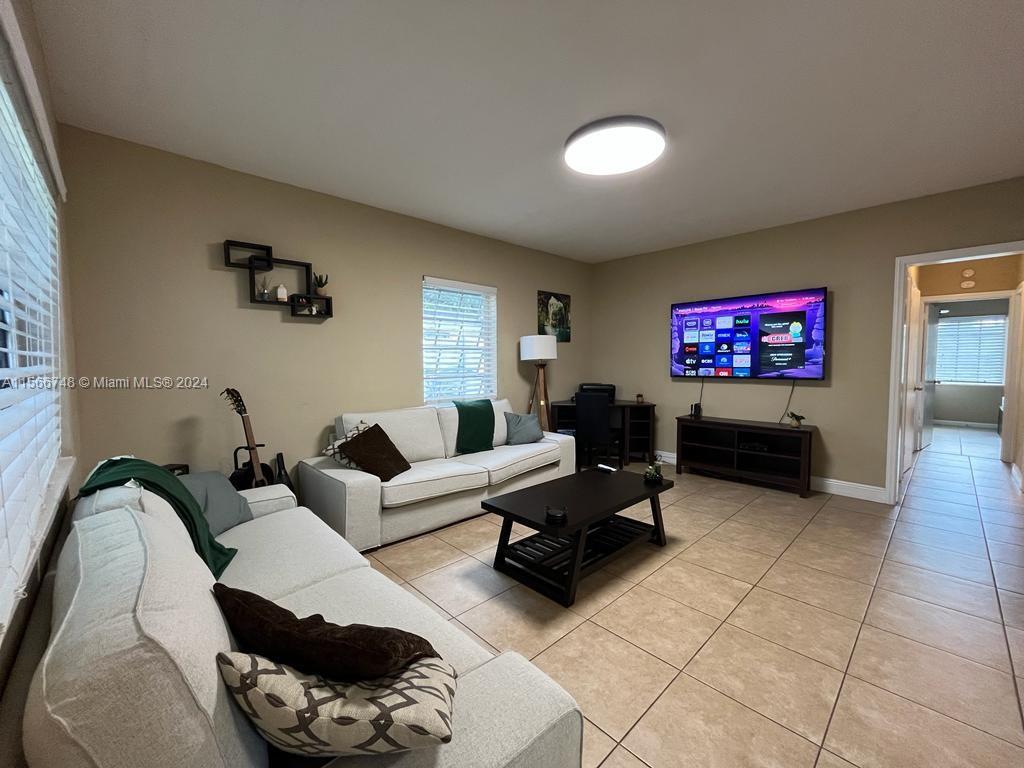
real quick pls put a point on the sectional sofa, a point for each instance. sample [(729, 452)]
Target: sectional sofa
[(442, 487), (129, 678)]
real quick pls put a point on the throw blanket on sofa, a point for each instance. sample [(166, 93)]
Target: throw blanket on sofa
[(152, 477)]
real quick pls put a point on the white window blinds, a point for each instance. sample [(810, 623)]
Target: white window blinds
[(971, 350), (460, 340), (29, 350)]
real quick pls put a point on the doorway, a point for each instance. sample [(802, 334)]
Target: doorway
[(955, 358)]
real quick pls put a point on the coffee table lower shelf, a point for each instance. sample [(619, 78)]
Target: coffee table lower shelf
[(553, 565)]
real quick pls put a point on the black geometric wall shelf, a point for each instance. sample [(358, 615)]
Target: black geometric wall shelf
[(255, 258)]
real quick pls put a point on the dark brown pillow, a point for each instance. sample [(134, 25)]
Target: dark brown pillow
[(372, 451), (314, 646)]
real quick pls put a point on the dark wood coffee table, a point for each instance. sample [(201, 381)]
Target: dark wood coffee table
[(553, 560)]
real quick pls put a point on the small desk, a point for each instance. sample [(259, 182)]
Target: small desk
[(635, 419)]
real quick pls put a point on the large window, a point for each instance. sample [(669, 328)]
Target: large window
[(460, 341), (971, 350), (29, 350)]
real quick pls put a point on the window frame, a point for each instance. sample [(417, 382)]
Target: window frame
[(956, 376), (489, 317)]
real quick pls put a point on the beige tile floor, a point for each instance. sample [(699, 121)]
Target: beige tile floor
[(777, 631)]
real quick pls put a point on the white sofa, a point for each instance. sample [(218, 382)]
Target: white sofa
[(129, 678), (442, 487)]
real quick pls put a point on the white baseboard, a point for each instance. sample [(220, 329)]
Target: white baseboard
[(823, 484), (968, 424)]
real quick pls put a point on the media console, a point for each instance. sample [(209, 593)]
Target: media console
[(758, 451)]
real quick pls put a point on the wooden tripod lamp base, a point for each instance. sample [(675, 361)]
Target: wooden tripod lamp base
[(539, 350)]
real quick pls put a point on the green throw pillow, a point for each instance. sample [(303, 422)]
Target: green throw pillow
[(523, 428), (476, 426)]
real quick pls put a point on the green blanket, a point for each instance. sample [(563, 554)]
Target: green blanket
[(116, 472)]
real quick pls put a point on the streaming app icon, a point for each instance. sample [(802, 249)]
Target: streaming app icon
[(690, 372), (741, 335), (724, 346), (706, 336), (691, 361), (689, 349), (742, 321), (742, 372), (706, 348), (707, 322), (723, 371), (741, 347), (741, 361), (691, 323), (723, 322), (707, 361), (705, 371), (723, 335), (690, 336), (723, 361)]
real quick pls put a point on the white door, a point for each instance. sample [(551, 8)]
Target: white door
[(911, 426), (928, 379)]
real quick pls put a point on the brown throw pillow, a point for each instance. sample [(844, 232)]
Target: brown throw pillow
[(315, 646), (372, 451)]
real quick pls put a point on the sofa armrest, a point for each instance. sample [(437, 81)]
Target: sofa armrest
[(567, 449), (269, 498), (348, 500), (507, 713)]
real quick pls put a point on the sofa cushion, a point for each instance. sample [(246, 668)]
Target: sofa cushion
[(364, 596), (285, 551), (414, 431), (312, 715), (429, 479), (129, 672), (448, 416), (374, 452), (508, 461)]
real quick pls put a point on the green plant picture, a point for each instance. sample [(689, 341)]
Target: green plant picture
[(553, 316)]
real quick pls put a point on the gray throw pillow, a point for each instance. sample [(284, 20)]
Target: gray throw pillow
[(523, 428), (223, 506)]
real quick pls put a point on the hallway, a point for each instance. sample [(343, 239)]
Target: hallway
[(964, 441)]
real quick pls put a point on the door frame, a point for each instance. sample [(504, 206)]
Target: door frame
[(894, 432)]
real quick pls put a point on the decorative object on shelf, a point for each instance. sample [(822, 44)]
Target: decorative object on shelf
[(251, 474), (640, 398), (320, 281), (254, 258), (652, 474), (553, 317), (795, 419), (538, 350)]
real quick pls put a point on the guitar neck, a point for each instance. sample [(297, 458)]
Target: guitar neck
[(254, 456)]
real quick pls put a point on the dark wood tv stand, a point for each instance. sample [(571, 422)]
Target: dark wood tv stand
[(756, 451)]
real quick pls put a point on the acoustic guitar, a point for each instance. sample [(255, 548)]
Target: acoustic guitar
[(253, 473)]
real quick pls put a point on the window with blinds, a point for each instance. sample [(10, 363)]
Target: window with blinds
[(30, 404), (971, 350), (460, 341)]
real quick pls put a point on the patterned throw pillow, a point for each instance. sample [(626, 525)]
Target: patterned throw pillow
[(308, 715), (332, 448)]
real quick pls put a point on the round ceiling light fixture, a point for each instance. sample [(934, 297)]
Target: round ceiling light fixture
[(615, 145)]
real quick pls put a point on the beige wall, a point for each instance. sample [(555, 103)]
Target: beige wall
[(974, 403), (851, 253), (999, 274), (151, 297)]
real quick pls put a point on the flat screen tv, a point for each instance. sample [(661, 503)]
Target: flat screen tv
[(764, 336)]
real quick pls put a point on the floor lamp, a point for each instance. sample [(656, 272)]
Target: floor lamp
[(538, 350)]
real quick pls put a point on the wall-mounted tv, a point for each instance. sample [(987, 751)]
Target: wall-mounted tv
[(764, 336)]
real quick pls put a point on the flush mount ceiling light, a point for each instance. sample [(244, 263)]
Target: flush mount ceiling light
[(615, 145)]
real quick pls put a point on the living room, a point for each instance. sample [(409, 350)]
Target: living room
[(196, 159)]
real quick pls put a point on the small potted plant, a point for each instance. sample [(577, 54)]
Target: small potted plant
[(795, 419), (652, 476), (320, 284)]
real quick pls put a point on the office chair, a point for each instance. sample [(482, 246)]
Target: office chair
[(593, 430)]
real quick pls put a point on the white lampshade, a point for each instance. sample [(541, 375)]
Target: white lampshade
[(538, 347)]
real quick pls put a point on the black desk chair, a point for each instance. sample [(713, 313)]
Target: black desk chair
[(594, 433)]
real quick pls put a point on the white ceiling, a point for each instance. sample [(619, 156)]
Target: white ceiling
[(457, 112)]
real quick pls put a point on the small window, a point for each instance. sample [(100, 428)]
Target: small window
[(460, 341), (971, 350)]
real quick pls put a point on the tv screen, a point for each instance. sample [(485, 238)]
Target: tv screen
[(765, 336)]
